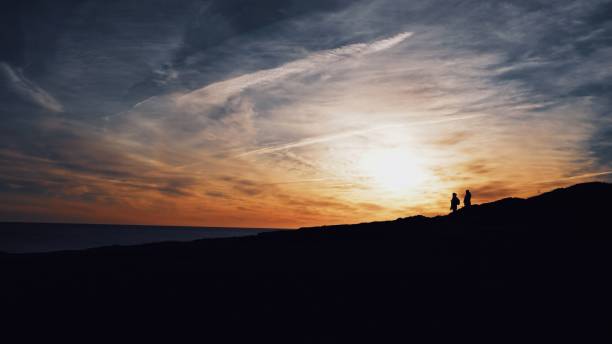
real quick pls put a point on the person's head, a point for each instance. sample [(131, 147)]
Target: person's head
[(467, 191), (454, 194)]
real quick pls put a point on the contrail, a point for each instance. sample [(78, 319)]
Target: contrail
[(580, 176), (219, 92), (327, 138)]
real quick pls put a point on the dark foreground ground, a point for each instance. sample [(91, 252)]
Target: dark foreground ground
[(534, 270)]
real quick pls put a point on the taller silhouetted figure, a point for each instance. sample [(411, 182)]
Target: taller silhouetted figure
[(454, 202), (467, 199)]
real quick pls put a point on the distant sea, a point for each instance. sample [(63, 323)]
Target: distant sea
[(47, 237)]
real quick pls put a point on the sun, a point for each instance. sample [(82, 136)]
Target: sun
[(393, 170)]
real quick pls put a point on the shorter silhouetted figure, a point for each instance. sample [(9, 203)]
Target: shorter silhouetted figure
[(454, 202), (467, 199)]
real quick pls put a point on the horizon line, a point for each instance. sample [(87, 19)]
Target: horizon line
[(268, 228)]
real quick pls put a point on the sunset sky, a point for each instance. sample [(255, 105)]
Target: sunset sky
[(289, 113)]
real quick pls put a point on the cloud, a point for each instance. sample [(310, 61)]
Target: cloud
[(217, 93), (216, 194), (339, 136), (578, 177), (169, 109), (27, 89)]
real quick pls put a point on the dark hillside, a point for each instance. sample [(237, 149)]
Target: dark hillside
[(514, 269)]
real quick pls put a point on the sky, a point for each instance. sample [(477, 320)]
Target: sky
[(290, 113)]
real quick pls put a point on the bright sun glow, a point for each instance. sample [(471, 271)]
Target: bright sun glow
[(395, 170)]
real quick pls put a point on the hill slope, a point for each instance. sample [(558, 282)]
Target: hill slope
[(497, 271)]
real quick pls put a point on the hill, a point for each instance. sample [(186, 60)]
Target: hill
[(508, 270)]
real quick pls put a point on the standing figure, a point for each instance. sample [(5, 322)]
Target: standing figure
[(467, 199), (454, 202)]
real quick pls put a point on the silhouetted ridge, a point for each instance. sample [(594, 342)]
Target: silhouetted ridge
[(571, 203), (501, 271)]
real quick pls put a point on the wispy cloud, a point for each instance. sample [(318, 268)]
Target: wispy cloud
[(577, 177), (328, 138), (227, 117), (27, 89), (219, 92)]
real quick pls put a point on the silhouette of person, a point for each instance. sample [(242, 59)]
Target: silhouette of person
[(467, 199), (454, 202)]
